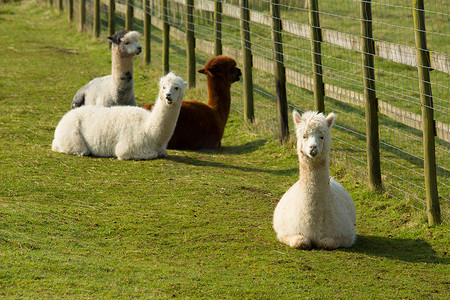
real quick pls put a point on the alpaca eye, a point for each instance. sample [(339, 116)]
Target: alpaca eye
[(176, 88), (127, 43), (321, 137), (304, 136)]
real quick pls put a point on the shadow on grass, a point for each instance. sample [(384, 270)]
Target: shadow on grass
[(241, 149), (409, 250)]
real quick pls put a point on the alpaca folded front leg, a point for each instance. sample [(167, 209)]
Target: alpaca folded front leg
[(296, 241), (328, 243), (162, 152), (151, 154)]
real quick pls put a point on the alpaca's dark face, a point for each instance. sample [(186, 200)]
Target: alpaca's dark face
[(235, 74), (223, 68)]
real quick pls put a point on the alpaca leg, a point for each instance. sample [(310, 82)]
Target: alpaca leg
[(71, 144), (162, 152), (122, 152), (151, 154), (347, 241), (328, 243), (296, 241), (127, 155), (79, 98)]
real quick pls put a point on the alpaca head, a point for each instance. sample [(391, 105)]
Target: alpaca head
[(223, 68), (171, 89), (127, 42), (313, 133)]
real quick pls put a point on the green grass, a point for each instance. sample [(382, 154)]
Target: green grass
[(193, 225)]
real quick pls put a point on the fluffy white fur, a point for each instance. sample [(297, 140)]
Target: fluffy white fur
[(124, 132), (316, 211), (117, 88)]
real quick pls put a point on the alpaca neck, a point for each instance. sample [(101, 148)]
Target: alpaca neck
[(163, 121), (122, 68), (219, 97), (315, 174)]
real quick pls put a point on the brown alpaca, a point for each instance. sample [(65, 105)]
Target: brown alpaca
[(201, 125)]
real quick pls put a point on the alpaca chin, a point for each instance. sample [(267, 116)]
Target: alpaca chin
[(313, 153)]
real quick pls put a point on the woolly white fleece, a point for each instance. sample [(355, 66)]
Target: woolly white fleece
[(124, 132), (316, 211)]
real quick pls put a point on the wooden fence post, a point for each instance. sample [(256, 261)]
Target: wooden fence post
[(316, 55), (370, 97), (426, 99), (147, 31), (82, 13), (165, 32), (70, 10), (111, 19), (217, 27), (280, 73), (247, 61), (96, 23), (190, 42), (129, 18)]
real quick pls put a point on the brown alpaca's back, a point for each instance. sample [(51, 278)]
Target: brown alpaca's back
[(201, 125)]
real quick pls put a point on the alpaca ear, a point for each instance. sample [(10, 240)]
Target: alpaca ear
[(330, 119), (209, 71), (114, 39), (117, 37), (296, 116)]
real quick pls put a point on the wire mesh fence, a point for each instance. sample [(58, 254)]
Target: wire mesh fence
[(395, 67)]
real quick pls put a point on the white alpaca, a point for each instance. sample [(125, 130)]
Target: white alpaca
[(316, 211), (117, 88), (124, 132)]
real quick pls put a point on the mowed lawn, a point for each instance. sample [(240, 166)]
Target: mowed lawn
[(192, 225)]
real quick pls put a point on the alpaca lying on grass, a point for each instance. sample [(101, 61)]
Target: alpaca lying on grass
[(124, 132), (316, 211), (201, 125), (117, 88)]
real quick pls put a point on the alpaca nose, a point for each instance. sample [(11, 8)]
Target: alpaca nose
[(313, 150), (169, 98), (139, 49), (238, 75)]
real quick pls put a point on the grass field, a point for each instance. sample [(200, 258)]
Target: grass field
[(193, 225)]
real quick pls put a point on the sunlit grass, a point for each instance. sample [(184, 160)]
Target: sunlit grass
[(193, 225)]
